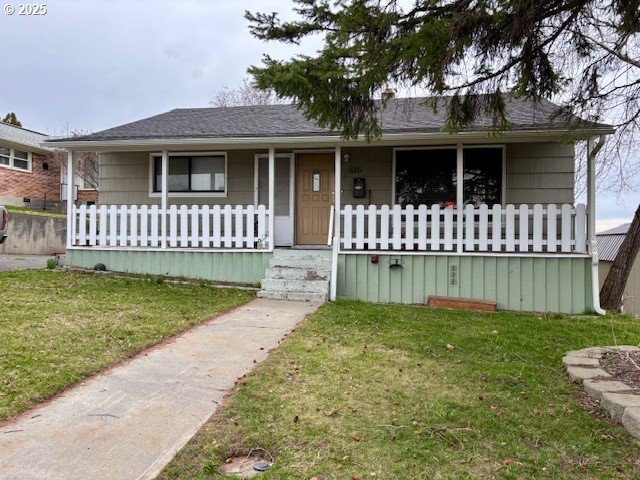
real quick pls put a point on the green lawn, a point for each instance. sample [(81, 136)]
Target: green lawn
[(371, 391), (35, 211), (56, 328)]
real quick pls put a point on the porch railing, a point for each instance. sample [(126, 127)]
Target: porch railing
[(523, 229), (197, 226)]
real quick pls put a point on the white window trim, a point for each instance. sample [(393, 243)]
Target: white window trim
[(153, 194), (12, 157), (503, 193)]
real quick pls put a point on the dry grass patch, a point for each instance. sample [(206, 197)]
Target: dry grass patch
[(35, 211), (372, 391), (56, 328)]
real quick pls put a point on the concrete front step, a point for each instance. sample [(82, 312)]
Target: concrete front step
[(297, 296), (299, 263), (298, 275), (311, 273), (314, 286), (308, 255)]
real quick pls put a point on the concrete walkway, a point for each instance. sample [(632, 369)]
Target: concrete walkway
[(129, 422)]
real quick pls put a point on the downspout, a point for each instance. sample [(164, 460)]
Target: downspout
[(592, 151)]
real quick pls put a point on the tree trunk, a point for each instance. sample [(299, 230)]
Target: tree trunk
[(614, 284)]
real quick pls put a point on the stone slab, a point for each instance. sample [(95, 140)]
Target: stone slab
[(592, 352), (616, 403), (580, 374), (596, 388), (631, 421), (571, 360)]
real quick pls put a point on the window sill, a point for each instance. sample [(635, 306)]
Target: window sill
[(15, 169), (191, 194)]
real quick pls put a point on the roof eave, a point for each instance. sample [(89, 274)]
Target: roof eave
[(321, 139), (45, 150)]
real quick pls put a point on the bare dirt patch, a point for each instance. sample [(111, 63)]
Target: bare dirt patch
[(246, 466), (624, 367)]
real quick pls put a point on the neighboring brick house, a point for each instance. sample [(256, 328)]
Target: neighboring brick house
[(30, 171), (27, 170)]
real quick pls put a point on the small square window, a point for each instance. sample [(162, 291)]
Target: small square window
[(20, 155), (207, 174), (20, 164)]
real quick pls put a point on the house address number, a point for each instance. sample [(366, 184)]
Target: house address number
[(355, 168)]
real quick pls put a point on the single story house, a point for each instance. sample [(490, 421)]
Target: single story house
[(260, 194), (609, 243)]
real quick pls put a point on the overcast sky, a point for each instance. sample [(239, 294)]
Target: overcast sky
[(94, 64)]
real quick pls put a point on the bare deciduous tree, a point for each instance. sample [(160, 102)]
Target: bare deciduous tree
[(85, 164), (245, 94)]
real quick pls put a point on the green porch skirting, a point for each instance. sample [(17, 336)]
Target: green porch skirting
[(543, 284), (233, 267)]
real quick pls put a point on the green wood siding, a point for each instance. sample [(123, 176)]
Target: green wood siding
[(234, 267), (540, 173), (124, 180), (543, 284), (536, 172)]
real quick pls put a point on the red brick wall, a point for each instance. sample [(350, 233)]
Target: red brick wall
[(34, 184), (85, 196)]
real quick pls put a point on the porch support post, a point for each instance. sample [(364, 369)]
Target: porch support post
[(70, 202), (335, 249), (459, 196), (337, 188), (272, 197), (592, 151), (164, 194)]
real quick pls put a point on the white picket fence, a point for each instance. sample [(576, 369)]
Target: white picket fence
[(524, 229), (197, 226)]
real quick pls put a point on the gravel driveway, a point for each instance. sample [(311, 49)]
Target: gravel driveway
[(21, 262)]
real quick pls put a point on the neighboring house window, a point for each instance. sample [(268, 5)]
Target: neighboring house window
[(204, 173), (16, 159), (5, 156), (20, 160), (428, 176)]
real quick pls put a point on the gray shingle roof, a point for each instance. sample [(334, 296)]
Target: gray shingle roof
[(609, 242), (21, 136), (401, 115)]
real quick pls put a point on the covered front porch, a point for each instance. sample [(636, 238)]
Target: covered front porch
[(368, 204), (443, 198)]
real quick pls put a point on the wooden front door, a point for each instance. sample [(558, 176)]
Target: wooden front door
[(314, 197)]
